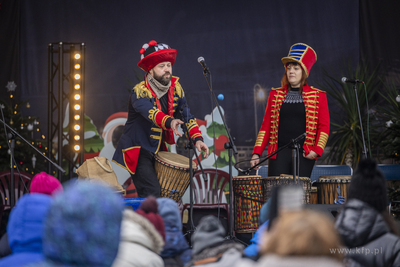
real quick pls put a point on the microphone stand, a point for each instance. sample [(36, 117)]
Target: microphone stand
[(231, 149), (293, 142), (12, 134), (359, 117), (190, 146)]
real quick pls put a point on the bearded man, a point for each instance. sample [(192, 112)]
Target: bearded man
[(155, 107)]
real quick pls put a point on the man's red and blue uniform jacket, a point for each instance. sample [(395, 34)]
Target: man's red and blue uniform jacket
[(147, 126)]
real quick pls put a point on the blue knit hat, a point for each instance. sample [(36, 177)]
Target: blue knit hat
[(83, 225)]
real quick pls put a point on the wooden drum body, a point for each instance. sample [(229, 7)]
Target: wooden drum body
[(173, 174), (328, 188), (249, 193), (305, 182)]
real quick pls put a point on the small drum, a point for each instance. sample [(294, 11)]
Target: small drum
[(314, 195), (305, 182), (249, 192), (173, 174), (330, 187)]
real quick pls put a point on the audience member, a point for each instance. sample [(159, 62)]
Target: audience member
[(142, 237), (252, 251), (176, 251), (209, 246), (41, 183), (25, 230), (83, 226), (300, 238), (364, 224)]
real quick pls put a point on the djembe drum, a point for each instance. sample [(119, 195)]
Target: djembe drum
[(173, 174), (249, 193), (330, 187), (305, 182)]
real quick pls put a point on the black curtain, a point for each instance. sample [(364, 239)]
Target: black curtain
[(9, 49)]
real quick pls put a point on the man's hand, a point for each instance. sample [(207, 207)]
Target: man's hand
[(174, 126), (311, 155), (255, 159), (200, 145)]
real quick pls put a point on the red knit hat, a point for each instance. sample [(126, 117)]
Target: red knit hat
[(153, 53), (45, 184), (149, 210)]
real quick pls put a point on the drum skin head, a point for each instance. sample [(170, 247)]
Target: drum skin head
[(174, 159)]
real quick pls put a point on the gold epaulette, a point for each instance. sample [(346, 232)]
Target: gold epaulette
[(142, 91), (179, 89)]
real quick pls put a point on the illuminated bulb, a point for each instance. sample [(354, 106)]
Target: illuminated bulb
[(77, 56), (77, 66), (77, 147), (77, 86), (77, 117), (77, 107), (77, 127), (77, 137), (77, 97), (77, 76)]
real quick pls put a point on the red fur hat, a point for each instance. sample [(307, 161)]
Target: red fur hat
[(154, 53), (302, 54)]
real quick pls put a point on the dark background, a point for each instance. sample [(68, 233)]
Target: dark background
[(241, 41)]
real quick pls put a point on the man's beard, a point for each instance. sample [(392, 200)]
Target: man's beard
[(162, 79)]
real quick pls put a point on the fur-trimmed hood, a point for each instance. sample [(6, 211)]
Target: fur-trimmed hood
[(137, 229)]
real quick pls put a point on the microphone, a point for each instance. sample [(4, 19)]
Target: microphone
[(203, 64), (346, 80)]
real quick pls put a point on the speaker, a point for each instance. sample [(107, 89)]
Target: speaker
[(201, 210), (331, 210)]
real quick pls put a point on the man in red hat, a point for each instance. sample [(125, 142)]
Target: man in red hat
[(156, 107)]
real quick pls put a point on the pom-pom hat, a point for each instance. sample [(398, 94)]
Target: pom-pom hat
[(44, 183), (153, 53), (302, 54)]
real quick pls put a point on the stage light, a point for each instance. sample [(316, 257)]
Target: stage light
[(77, 107), (77, 86), (77, 127), (77, 66), (77, 147), (77, 97), (77, 56), (77, 76), (77, 137), (77, 117)]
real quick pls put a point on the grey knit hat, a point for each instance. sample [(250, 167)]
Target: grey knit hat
[(209, 232)]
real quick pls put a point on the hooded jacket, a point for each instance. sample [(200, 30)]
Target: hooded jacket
[(367, 236), (176, 251), (25, 230), (140, 243)]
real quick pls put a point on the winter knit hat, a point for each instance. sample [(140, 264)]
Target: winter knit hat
[(209, 232), (368, 184), (45, 184), (83, 225), (153, 53), (148, 209)]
